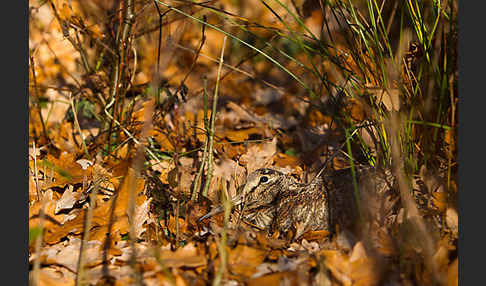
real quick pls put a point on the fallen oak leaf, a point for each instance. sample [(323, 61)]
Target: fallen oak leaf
[(259, 155), (187, 256), (52, 277), (141, 215), (244, 259), (316, 235), (279, 278), (51, 219), (103, 212), (355, 269), (68, 255), (242, 134), (68, 199), (66, 170)]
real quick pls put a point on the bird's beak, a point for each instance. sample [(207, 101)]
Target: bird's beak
[(219, 209)]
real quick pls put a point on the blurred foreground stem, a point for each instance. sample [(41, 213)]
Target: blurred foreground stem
[(211, 124)]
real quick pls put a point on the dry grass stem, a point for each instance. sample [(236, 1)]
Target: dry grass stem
[(209, 175)]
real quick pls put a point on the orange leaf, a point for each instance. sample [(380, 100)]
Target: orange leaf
[(283, 160), (102, 214), (354, 269), (242, 134), (51, 277), (66, 170), (452, 273), (279, 278), (243, 260)]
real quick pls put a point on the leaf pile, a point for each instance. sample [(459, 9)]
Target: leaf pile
[(119, 129)]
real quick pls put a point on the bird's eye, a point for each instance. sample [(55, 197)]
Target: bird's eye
[(264, 179)]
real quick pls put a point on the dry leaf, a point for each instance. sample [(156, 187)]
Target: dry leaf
[(284, 160), (390, 99), (439, 199), (68, 255), (68, 199), (452, 219), (187, 256), (231, 171), (85, 163), (259, 155), (279, 278), (243, 259), (384, 242), (51, 219), (354, 269), (102, 213), (241, 134), (141, 216), (32, 189), (355, 108), (316, 235), (66, 170), (51, 277)]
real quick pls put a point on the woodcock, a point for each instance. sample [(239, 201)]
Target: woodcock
[(274, 201)]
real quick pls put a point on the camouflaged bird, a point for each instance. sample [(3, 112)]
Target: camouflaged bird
[(274, 201), (261, 195), (257, 199), (302, 208)]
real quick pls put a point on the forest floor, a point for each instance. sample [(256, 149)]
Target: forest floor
[(145, 115)]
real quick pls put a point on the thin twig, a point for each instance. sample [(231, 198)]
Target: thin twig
[(119, 61), (223, 254), (126, 131), (159, 45), (87, 227), (453, 124), (35, 172), (211, 130), (76, 44), (137, 167), (197, 180), (176, 216), (37, 98), (78, 127), (194, 61), (232, 68), (38, 242), (412, 213)]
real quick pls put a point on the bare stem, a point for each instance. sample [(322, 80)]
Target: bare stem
[(37, 99), (137, 167), (87, 228), (205, 151), (119, 61), (38, 242), (78, 127), (223, 254), (211, 130)]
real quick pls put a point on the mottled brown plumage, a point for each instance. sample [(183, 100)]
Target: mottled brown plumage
[(329, 200), (275, 201), (320, 205), (302, 209), (256, 200), (261, 193)]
